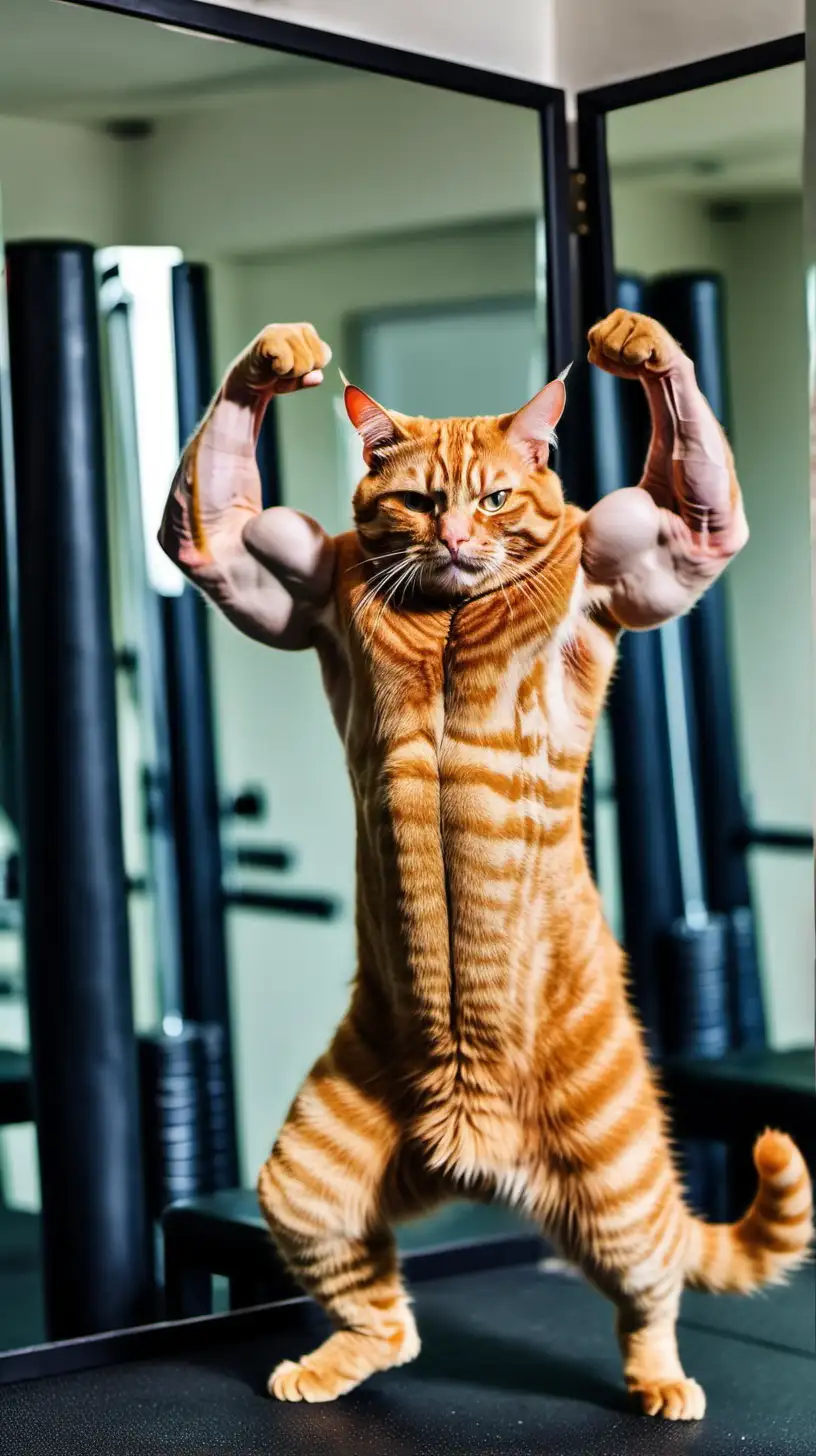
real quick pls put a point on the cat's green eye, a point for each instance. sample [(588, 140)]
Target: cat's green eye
[(494, 501), (414, 501)]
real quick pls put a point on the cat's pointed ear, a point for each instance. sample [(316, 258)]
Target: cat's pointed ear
[(375, 425), (531, 430)]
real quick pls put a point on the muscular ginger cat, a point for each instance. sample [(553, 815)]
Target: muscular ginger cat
[(466, 631)]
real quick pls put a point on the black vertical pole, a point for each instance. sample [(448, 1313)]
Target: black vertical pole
[(611, 457), (691, 307), (9, 596), (95, 1235), (564, 342), (196, 803)]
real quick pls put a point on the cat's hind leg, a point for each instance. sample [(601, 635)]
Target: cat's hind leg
[(632, 1233), (328, 1192), (620, 1206)]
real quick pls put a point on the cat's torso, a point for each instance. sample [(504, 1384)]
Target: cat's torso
[(467, 733)]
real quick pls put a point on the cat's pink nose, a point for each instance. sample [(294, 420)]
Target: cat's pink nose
[(454, 530)]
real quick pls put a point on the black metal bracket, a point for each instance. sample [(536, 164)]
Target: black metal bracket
[(249, 803), (754, 836), (308, 907), (263, 857)]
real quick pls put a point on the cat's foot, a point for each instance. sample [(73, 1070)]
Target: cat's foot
[(343, 1362), (673, 1400)]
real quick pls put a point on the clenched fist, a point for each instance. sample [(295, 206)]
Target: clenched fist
[(282, 358), (632, 346)]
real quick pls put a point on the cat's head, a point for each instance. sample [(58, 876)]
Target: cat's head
[(455, 508)]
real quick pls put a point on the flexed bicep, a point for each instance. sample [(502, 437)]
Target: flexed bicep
[(266, 570), (652, 550)]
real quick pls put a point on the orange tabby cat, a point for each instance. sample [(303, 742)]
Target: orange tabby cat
[(466, 632)]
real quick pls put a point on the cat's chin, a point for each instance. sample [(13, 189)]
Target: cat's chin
[(454, 581)]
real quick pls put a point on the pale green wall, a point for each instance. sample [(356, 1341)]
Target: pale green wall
[(340, 156), (60, 180), (657, 230)]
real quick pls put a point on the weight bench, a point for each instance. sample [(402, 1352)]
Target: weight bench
[(225, 1234)]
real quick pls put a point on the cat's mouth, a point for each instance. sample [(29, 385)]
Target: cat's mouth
[(461, 574), (458, 574)]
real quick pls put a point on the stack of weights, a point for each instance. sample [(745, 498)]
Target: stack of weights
[(222, 1166), (187, 1139), (173, 1116), (745, 991), (696, 1026)]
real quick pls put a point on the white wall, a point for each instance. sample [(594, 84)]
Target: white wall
[(598, 41), (515, 37)]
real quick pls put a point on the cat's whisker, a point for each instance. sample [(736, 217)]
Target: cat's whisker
[(388, 599), (537, 589), (380, 556), (400, 572), (380, 579)]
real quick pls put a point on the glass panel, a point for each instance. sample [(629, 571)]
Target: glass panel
[(406, 224), (710, 182)]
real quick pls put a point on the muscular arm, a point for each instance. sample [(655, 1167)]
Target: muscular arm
[(652, 550), (268, 571)]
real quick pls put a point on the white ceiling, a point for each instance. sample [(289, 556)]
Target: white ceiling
[(68, 62)]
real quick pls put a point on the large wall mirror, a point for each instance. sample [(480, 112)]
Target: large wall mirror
[(708, 185), (178, 189), (221, 186), (697, 178)]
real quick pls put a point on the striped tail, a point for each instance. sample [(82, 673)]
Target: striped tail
[(771, 1240)]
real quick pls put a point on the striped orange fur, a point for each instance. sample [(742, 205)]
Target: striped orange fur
[(489, 1049)]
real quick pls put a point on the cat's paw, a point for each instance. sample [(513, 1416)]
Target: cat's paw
[(672, 1400), (296, 1380), (343, 1361), (282, 357), (630, 344)]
